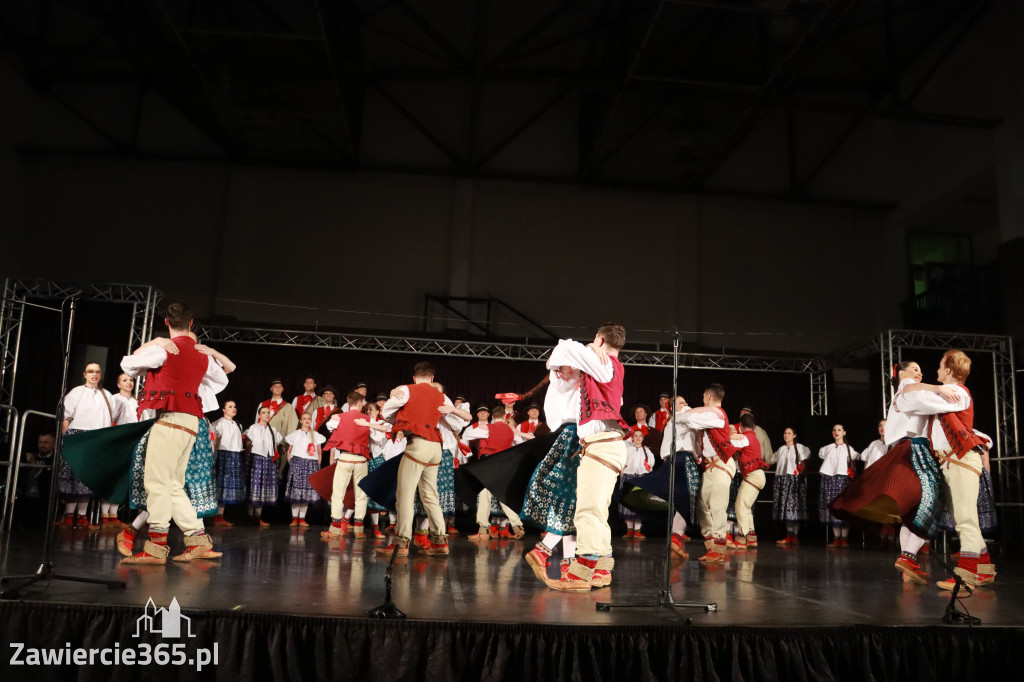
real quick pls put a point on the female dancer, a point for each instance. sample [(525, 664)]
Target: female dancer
[(835, 475), (304, 460), (790, 503), (86, 408)]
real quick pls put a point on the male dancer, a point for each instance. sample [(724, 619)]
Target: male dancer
[(751, 467), (351, 437), (714, 450), (301, 402), (603, 455), (495, 437), (417, 408), (172, 389), (659, 420), (326, 407), (955, 444)]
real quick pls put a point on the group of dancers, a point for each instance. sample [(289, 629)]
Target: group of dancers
[(396, 456)]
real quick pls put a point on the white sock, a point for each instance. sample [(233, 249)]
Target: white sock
[(349, 513), (69, 508), (551, 539), (374, 518), (423, 524), (843, 531), (82, 508), (257, 511), (220, 509), (302, 510), (568, 546), (295, 511), (504, 523), (391, 518), (140, 520), (909, 542), (792, 528), (678, 524)]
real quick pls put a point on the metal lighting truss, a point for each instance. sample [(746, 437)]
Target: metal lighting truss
[(487, 349), (21, 292)]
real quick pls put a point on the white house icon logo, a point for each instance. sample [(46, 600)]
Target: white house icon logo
[(161, 621)]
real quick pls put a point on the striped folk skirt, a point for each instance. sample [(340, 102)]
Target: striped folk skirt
[(263, 481), (299, 490), (831, 487), (230, 476), (790, 501)]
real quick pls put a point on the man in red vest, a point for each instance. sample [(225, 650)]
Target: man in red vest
[(301, 402), (174, 371), (603, 456), (416, 409), (955, 444), (493, 438), (714, 448), (751, 467), (352, 439), (660, 418)]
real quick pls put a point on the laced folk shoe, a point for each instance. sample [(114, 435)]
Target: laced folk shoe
[(152, 553), (401, 545), (437, 546), (578, 577), (910, 567), (126, 541), (481, 534), (538, 559), (198, 547), (677, 547), (333, 531)]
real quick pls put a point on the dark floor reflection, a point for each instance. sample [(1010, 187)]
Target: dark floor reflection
[(292, 570)]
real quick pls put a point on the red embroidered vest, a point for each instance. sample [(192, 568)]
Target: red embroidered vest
[(750, 456), (719, 438), (272, 405), (321, 415), (528, 426), (661, 419), (419, 416), (602, 401), (175, 385), (302, 402), (349, 436), (499, 437), (958, 428)]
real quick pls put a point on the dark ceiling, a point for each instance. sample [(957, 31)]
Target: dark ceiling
[(607, 92)]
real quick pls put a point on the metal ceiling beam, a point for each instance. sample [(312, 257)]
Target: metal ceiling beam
[(613, 184), (419, 126)]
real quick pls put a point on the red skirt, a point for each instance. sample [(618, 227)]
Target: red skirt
[(888, 491)]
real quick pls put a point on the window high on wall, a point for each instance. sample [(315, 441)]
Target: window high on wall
[(937, 258)]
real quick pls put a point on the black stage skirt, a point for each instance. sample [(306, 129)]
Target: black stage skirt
[(507, 474), (650, 491)]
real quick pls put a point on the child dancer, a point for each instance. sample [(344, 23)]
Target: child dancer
[(639, 461), (835, 475), (304, 460), (263, 478), (228, 472), (790, 502)]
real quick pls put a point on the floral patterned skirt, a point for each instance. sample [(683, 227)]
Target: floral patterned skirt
[(550, 501)]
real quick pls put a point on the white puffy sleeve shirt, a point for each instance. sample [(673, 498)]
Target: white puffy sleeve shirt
[(88, 409), (639, 460), (927, 404), (836, 459), (787, 457), (873, 453), (264, 439), (561, 402), (900, 424), (301, 440), (229, 435)]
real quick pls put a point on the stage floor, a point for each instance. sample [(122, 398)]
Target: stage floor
[(293, 571)]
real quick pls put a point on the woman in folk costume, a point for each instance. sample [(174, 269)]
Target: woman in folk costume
[(904, 485), (494, 438), (229, 472), (789, 503), (836, 472), (639, 461), (264, 440), (304, 460), (86, 408)]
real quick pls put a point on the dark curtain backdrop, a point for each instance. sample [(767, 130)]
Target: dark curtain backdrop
[(265, 646)]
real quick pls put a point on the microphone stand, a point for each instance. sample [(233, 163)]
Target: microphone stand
[(664, 598), (45, 571), (953, 615)]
